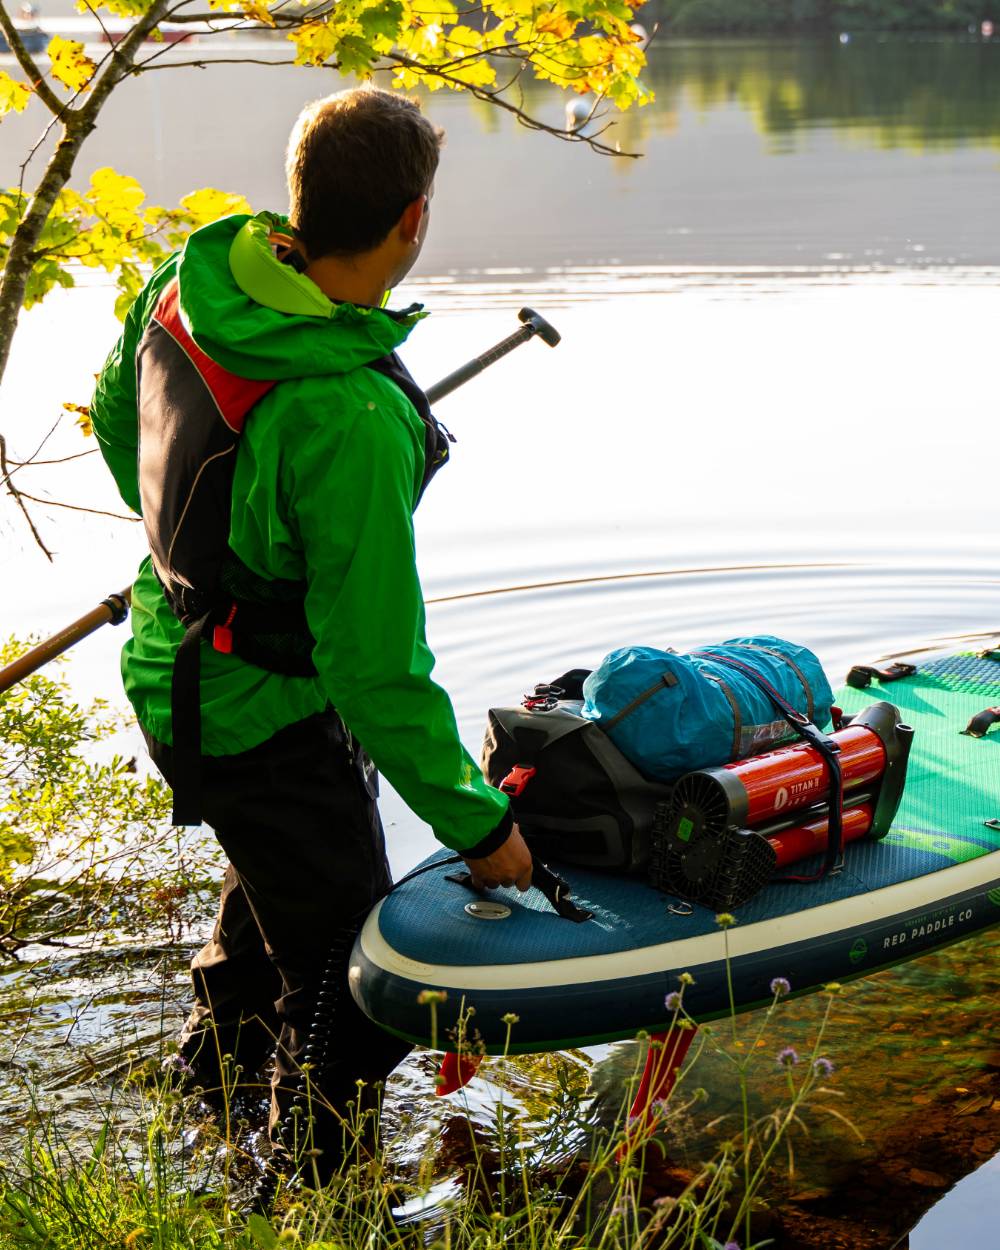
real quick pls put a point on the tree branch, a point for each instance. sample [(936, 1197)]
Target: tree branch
[(145, 67), (523, 118), (77, 125), (73, 507), (16, 496), (28, 64), (121, 62), (34, 464)]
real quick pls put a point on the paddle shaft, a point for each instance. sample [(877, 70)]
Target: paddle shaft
[(114, 609), (461, 375)]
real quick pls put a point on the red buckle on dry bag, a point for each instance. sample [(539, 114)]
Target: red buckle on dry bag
[(516, 780), (222, 635)]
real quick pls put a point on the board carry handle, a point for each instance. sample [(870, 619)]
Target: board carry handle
[(862, 675), (982, 722), (555, 889)]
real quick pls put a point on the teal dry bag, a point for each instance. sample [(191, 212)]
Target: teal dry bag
[(670, 714)]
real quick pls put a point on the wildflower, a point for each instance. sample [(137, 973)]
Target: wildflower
[(686, 978), (725, 920), (428, 997), (672, 1002), (511, 1018), (788, 1057), (730, 1245), (781, 985), (832, 987), (177, 1063), (823, 1066), (659, 1108), (664, 1204)]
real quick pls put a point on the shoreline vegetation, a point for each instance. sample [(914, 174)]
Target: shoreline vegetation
[(819, 17), (86, 851), (154, 1172)]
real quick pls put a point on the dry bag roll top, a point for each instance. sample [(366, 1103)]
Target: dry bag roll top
[(670, 714), (573, 793)]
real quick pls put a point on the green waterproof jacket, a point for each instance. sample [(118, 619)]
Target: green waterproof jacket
[(327, 476)]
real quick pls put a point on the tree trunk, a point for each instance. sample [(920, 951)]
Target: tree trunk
[(77, 124)]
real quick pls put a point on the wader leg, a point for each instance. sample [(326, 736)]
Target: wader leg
[(235, 988), (301, 829)]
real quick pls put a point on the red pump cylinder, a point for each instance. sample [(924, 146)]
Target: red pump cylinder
[(812, 838), (797, 776)]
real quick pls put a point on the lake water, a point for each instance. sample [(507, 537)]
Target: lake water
[(774, 408)]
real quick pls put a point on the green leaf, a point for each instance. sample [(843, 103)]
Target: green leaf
[(262, 1232)]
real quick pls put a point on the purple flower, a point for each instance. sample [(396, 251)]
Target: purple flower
[(788, 1057), (177, 1063), (823, 1066), (672, 1002), (730, 1245), (781, 985)]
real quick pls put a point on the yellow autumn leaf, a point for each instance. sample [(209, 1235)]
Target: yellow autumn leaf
[(558, 24), (208, 204), (315, 43), (258, 11), (14, 95), (115, 197), (429, 12), (82, 418), (70, 64)]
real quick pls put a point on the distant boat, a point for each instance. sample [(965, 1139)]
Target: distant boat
[(35, 39), (165, 34)]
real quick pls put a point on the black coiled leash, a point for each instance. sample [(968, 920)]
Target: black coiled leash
[(316, 1053)]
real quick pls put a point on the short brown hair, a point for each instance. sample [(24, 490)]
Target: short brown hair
[(355, 160)]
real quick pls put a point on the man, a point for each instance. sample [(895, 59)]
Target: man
[(283, 559)]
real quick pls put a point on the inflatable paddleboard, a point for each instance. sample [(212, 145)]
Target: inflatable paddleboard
[(934, 879)]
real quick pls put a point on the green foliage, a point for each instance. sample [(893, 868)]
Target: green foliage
[(109, 226), (533, 1176), (84, 842)]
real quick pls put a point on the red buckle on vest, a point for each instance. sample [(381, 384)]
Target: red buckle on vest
[(516, 780), (222, 635), (222, 639)]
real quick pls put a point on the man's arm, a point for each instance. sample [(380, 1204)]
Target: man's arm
[(351, 492)]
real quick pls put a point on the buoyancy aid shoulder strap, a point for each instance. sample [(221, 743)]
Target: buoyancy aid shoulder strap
[(436, 437), (234, 396)]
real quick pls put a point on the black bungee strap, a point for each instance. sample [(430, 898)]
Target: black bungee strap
[(833, 861)]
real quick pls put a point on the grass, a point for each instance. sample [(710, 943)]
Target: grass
[(153, 1176)]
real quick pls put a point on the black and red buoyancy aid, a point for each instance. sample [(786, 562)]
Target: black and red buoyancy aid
[(192, 413)]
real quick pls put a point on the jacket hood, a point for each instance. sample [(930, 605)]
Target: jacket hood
[(260, 319)]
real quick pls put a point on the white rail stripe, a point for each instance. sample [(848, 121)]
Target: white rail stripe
[(916, 894)]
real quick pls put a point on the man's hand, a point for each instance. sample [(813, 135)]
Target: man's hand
[(510, 865)]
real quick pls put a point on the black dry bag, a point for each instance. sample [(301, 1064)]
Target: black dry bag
[(574, 795)]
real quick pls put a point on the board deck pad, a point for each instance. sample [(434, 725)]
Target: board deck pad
[(934, 878)]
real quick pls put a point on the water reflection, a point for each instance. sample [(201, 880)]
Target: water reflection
[(885, 93), (767, 153)]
